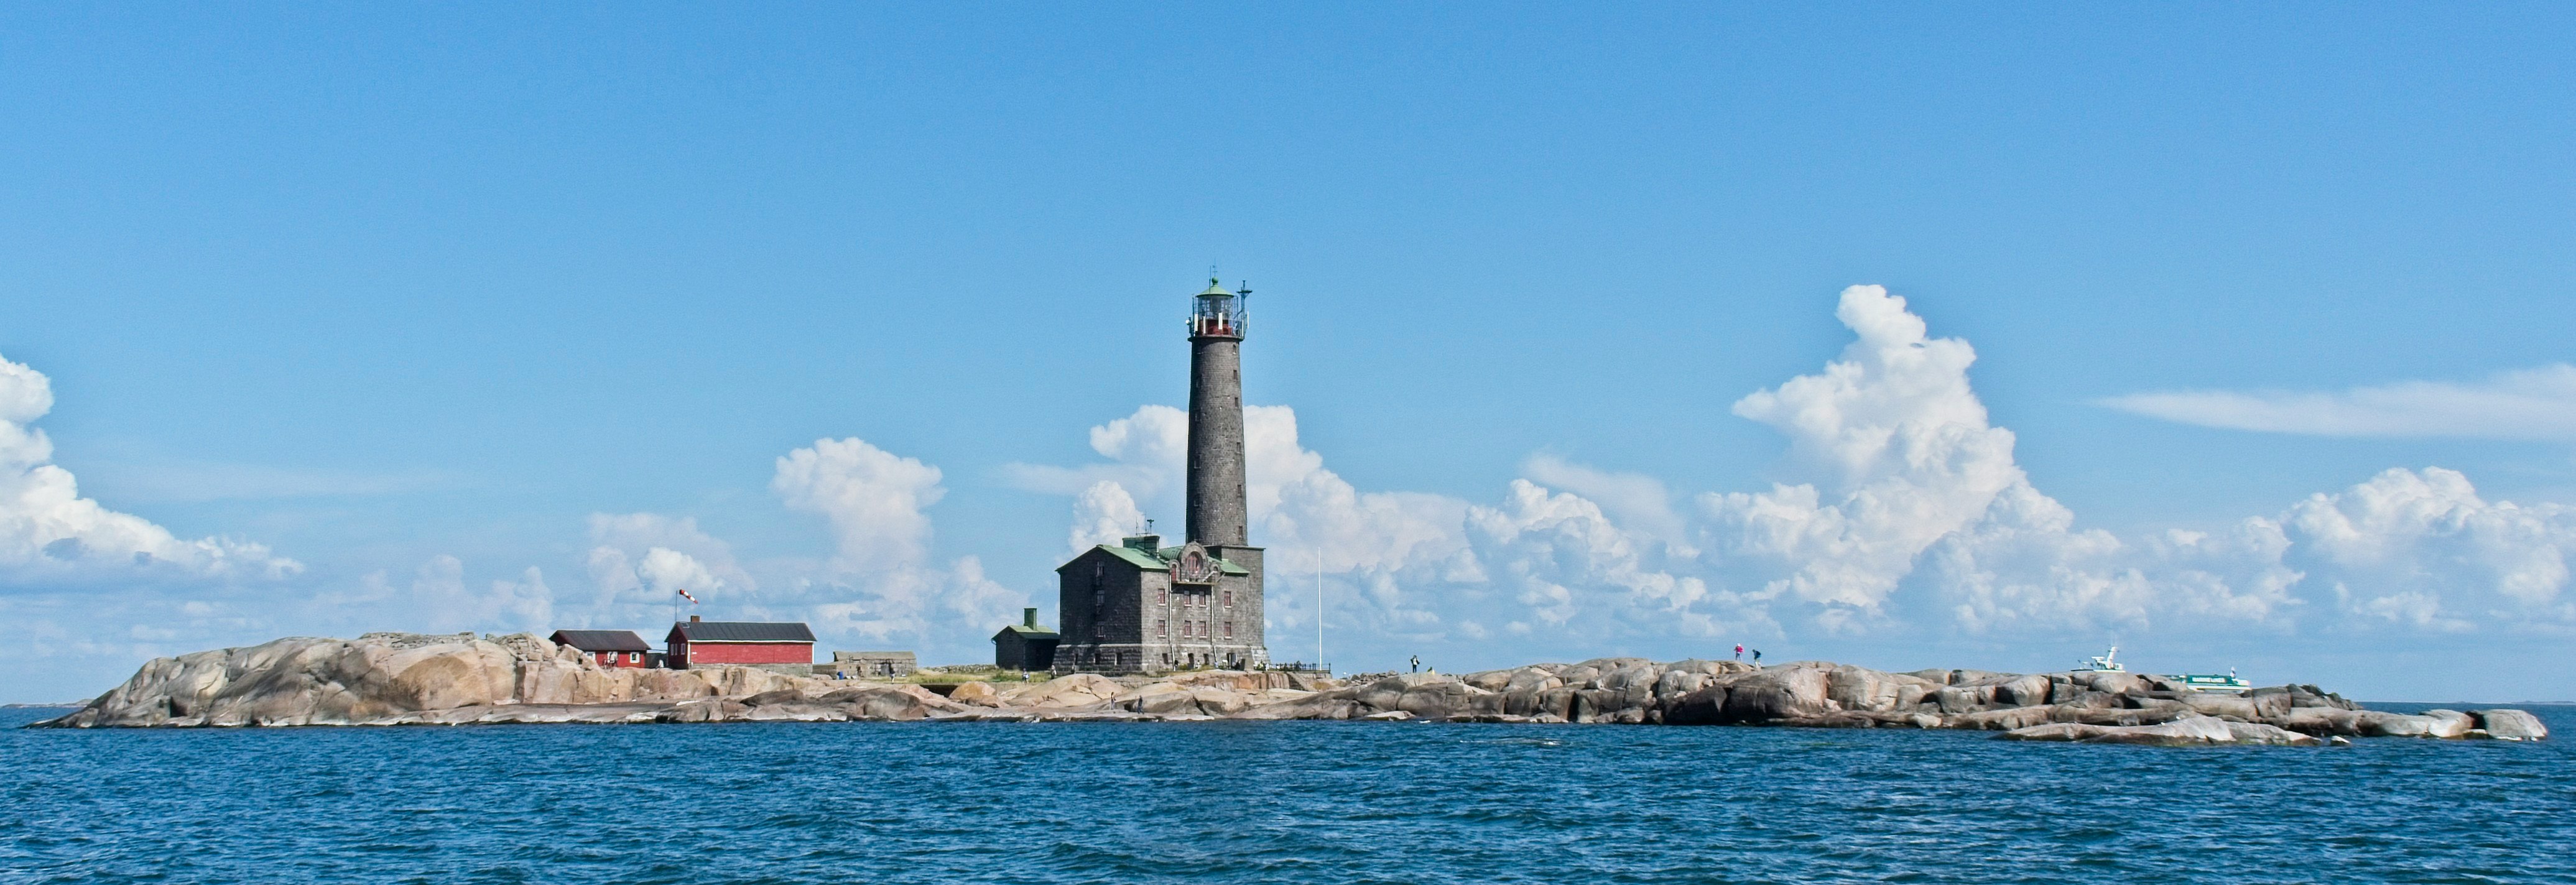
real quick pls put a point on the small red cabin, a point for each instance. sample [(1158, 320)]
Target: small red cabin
[(706, 643), (611, 648)]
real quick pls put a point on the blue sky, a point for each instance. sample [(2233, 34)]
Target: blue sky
[(423, 298)]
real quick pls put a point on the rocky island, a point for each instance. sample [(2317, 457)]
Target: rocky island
[(413, 679)]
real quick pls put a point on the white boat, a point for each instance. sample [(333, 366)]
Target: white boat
[(2102, 663), (2227, 684)]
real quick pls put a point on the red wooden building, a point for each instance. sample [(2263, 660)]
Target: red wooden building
[(704, 643), (611, 648)]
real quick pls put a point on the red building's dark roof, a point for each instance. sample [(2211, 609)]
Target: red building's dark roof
[(600, 640), (740, 631)]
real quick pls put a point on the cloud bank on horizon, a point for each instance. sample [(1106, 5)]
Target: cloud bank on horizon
[(1909, 509), (1903, 507)]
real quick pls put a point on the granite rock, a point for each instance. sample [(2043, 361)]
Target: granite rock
[(2185, 732), (410, 679), (2510, 725)]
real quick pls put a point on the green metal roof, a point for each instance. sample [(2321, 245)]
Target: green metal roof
[(1133, 556), (1031, 632), (1162, 559), (1215, 289)]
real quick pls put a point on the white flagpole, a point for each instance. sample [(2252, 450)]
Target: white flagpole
[(1319, 608)]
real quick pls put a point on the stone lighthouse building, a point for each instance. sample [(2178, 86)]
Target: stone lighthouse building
[(1141, 606)]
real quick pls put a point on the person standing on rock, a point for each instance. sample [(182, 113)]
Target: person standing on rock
[(1757, 657), (1739, 651), (1417, 663)]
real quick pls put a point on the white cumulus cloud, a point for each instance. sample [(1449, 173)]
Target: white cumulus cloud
[(872, 498), (1902, 456), (638, 562), (1914, 505), (48, 531), (1902, 505), (1422, 566), (439, 599), (1102, 514), (881, 582), (1145, 452), (1641, 502), (2423, 547), (1558, 554)]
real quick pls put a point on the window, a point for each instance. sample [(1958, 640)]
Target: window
[(1229, 629), (1163, 596), (1159, 629), (634, 657), (1229, 599)]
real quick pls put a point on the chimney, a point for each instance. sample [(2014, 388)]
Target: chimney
[(1029, 618), (693, 619)]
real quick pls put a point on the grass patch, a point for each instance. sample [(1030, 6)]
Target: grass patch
[(923, 677)]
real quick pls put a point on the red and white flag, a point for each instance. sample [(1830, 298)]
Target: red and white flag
[(684, 594)]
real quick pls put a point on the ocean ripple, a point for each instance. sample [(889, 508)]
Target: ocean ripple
[(1263, 802)]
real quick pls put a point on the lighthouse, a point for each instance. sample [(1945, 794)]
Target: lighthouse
[(1139, 606), (1216, 508)]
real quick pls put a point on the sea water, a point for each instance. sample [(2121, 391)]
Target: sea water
[(1306, 802)]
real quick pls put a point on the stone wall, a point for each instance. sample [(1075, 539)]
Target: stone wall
[(868, 665)]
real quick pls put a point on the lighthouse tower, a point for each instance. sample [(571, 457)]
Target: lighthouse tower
[(1216, 508), (1139, 606)]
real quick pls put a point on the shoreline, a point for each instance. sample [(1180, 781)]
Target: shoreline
[(404, 679)]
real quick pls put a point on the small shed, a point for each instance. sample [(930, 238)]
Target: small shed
[(610, 648), (1025, 645), (785, 647)]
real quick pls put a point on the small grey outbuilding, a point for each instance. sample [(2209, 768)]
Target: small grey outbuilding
[(1025, 645)]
